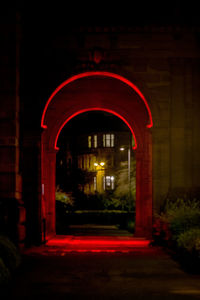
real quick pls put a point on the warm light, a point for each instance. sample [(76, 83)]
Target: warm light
[(95, 164), (102, 163), (122, 149), (112, 178)]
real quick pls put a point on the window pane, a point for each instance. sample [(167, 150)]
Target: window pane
[(95, 183), (112, 140), (107, 140), (108, 181), (89, 141), (95, 141), (112, 178), (104, 140)]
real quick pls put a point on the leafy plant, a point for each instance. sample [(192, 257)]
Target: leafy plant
[(63, 197), (125, 191), (161, 229), (190, 240), (4, 274), (182, 215), (131, 226), (9, 253)]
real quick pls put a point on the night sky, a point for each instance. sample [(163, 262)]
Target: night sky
[(92, 122)]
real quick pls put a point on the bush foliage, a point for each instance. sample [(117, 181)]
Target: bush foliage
[(9, 259), (9, 253), (178, 227), (4, 274), (182, 216), (190, 240), (80, 201)]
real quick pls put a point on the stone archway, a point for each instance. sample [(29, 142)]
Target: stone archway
[(97, 91)]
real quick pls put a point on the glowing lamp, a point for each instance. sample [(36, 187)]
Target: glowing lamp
[(95, 164), (122, 149), (102, 163)]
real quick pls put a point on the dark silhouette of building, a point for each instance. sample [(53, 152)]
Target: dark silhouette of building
[(101, 155)]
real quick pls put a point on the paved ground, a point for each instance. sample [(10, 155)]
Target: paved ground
[(146, 273), (97, 230)]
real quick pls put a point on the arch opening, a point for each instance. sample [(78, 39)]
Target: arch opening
[(95, 176), (85, 93)]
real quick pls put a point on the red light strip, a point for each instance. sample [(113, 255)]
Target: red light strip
[(92, 109), (96, 244), (95, 73)]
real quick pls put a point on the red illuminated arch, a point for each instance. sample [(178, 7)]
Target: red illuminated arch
[(94, 109), (97, 73), (116, 95)]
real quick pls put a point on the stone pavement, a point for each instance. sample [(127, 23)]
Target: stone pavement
[(140, 273)]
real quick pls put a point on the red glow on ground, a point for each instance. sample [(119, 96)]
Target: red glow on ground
[(94, 109), (96, 244), (95, 73)]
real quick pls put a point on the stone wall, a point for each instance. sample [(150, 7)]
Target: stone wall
[(11, 205), (164, 63)]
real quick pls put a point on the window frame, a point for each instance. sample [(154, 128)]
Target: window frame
[(89, 141), (108, 182), (108, 140)]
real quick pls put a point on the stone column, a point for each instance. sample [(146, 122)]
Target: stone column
[(12, 212), (48, 204), (144, 188), (32, 186)]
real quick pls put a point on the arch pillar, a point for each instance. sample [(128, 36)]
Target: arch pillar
[(143, 218), (48, 194)]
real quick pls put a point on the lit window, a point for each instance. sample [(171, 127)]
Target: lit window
[(108, 140), (108, 182), (112, 139), (95, 183), (95, 141), (89, 141)]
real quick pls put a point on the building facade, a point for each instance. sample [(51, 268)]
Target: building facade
[(103, 156)]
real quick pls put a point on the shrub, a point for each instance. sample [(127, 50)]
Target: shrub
[(9, 254), (182, 214), (190, 240), (161, 229), (131, 226), (4, 274), (64, 198), (178, 228)]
